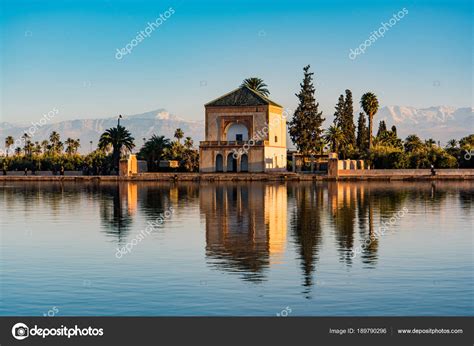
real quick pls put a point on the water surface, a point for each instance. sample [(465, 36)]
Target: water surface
[(237, 248)]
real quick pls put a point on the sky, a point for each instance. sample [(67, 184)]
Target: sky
[(63, 54)]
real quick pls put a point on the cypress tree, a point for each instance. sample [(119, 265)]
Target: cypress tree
[(348, 123), (339, 113), (394, 130), (305, 127), (362, 133), (382, 128)]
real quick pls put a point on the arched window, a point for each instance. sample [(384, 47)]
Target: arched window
[(237, 132)]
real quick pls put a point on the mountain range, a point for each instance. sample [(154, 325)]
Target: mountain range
[(141, 126), (440, 123)]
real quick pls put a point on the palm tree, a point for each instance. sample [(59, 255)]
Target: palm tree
[(154, 149), (452, 148), (18, 151), (37, 148), (8, 143), (69, 149), (59, 147), (76, 145), (27, 148), (118, 137), (256, 84), (430, 142), (178, 134), (55, 139), (25, 136), (335, 137), (188, 143), (413, 143), (370, 105), (452, 143), (72, 146), (44, 146)]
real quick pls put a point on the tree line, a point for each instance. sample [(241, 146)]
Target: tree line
[(115, 143), (384, 150)]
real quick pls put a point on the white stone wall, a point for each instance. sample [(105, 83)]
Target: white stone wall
[(275, 159)]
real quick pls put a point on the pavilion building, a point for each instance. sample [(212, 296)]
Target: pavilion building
[(244, 132)]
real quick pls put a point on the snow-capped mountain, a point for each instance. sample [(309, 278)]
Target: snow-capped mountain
[(144, 125), (440, 123)]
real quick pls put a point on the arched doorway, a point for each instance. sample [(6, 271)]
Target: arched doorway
[(219, 163), (244, 163), (231, 163)]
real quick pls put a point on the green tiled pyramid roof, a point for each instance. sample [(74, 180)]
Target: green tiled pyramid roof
[(242, 96)]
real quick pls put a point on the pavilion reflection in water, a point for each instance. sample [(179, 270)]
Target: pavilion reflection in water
[(246, 226)]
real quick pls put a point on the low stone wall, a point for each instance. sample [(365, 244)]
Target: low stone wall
[(407, 173), (43, 173), (373, 174)]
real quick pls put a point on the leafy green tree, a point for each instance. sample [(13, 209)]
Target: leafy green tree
[(256, 84), (370, 105), (466, 146), (467, 143), (117, 137), (305, 126), (190, 160), (175, 151), (388, 157)]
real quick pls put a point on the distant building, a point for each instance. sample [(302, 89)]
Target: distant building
[(245, 132)]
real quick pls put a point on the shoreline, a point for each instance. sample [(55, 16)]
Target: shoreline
[(377, 175)]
